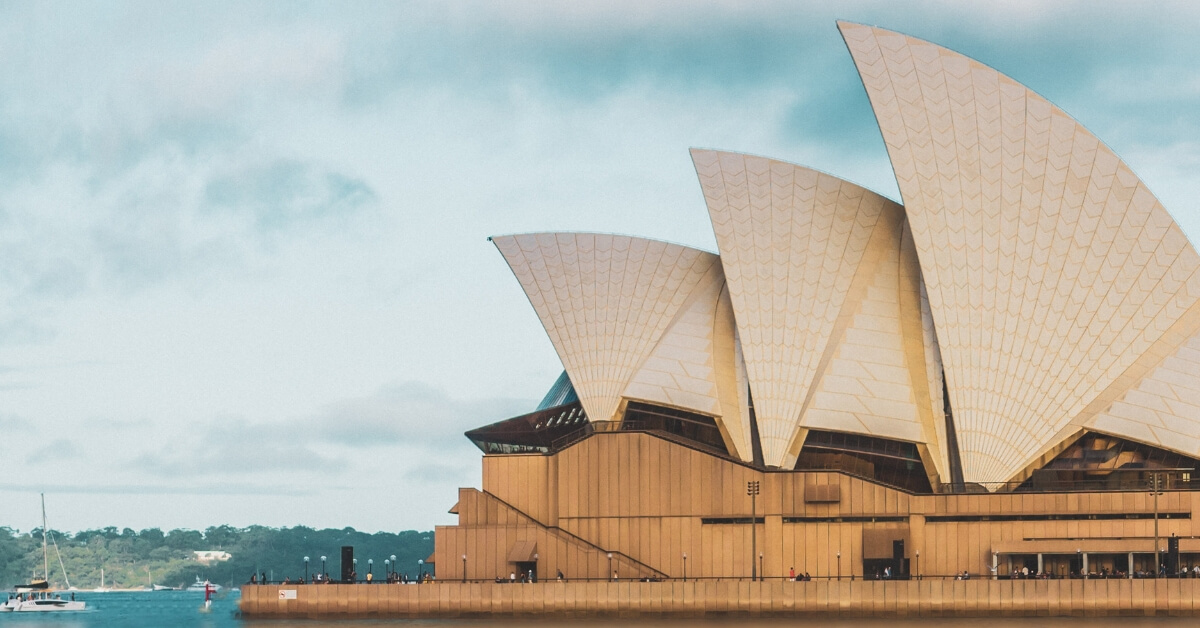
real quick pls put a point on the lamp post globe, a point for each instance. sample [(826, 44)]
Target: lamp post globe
[(420, 568), (322, 566)]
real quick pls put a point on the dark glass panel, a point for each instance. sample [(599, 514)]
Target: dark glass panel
[(892, 462), (691, 428)]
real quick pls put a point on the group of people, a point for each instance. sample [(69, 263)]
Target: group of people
[(531, 577), (525, 576), (323, 578), (792, 575), (317, 578), (403, 578)]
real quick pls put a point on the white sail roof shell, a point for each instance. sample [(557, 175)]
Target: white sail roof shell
[(1051, 269), (638, 319), (813, 317)]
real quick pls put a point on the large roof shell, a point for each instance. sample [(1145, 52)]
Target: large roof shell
[(814, 269), (633, 318), (1051, 269)]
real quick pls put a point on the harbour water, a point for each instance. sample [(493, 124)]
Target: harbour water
[(182, 609)]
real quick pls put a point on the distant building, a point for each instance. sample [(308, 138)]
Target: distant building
[(983, 379), (211, 556)]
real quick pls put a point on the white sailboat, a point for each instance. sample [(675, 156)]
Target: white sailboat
[(37, 597), (102, 588)]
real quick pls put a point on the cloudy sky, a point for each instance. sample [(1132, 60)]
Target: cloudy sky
[(244, 274)]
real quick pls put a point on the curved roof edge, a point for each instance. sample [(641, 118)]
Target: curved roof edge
[(802, 250), (1020, 215), (629, 317)]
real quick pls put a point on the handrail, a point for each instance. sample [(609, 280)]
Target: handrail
[(577, 538), (798, 580)]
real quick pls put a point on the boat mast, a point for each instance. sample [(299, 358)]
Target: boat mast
[(45, 555)]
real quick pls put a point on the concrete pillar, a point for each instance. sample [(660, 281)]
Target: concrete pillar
[(1085, 566), (771, 545), (995, 566), (1040, 564), (552, 492), (1130, 574)]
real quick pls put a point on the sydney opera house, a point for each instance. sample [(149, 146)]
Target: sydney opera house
[(989, 377)]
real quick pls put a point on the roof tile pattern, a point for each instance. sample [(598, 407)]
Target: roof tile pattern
[(791, 240), (605, 301), (688, 368), (870, 385), (1164, 408), (1049, 266)]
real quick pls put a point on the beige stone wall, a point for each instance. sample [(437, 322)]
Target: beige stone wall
[(927, 598), (645, 498)]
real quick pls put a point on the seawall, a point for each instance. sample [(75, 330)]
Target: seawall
[(923, 598)]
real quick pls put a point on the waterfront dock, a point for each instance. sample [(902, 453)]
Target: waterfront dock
[(731, 598)]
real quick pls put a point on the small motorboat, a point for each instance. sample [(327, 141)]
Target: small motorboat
[(40, 602)]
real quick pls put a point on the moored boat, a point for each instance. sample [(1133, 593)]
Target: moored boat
[(37, 596), (41, 602), (203, 585)]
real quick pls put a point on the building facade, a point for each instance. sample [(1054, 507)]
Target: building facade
[(1002, 374)]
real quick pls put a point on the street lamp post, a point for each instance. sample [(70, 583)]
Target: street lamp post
[(387, 570), (685, 566), (752, 487), (354, 570), (917, 567), (420, 569), (1156, 485), (533, 572), (322, 568), (395, 568), (464, 557), (370, 564), (306, 569), (839, 559), (762, 573), (610, 569)]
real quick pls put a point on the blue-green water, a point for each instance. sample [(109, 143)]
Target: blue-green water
[(182, 609), (135, 609)]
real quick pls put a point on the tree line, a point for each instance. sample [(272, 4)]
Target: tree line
[(132, 559)]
